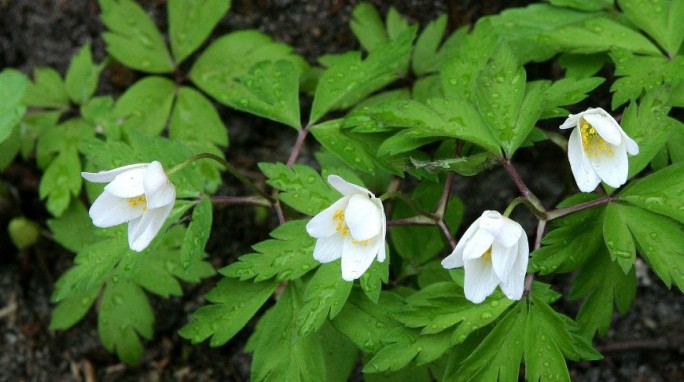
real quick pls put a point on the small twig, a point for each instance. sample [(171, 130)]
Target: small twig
[(522, 187), (415, 220), (560, 212), (299, 143), (441, 206), (447, 234)]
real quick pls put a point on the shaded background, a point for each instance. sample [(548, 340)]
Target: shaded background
[(644, 345)]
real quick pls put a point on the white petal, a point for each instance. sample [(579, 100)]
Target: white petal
[(323, 224), (571, 121), (346, 188), (383, 232), (606, 127), (632, 147), (363, 217), (503, 259), (505, 231), (158, 189), (148, 227), (108, 176), (109, 210), (357, 258), (513, 287), (455, 259), (478, 245), (328, 249), (612, 169), (480, 280), (128, 184), (582, 170)]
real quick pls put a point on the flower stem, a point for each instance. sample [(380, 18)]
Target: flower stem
[(255, 200), (560, 212), (299, 143), (522, 187), (228, 166)]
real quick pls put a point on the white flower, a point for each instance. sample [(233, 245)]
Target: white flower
[(493, 251), (597, 149), (352, 228), (140, 194)]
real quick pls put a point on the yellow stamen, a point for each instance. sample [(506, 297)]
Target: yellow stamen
[(341, 225), (592, 142), (138, 201), (487, 256), (361, 242)]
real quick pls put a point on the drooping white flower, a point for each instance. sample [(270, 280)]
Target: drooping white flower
[(140, 194), (597, 149), (493, 251), (352, 228)]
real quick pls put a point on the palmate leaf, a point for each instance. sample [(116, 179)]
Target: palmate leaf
[(280, 353), (567, 91), (13, 84), (46, 90), (82, 76), (371, 281), (247, 71), (367, 26), (288, 256), (191, 22), (233, 303), (192, 248), (403, 346), (350, 79), (604, 284), (659, 192), (133, 39), (324, 296), (660, 19), (146, 105), (302, 188), (430, 52)]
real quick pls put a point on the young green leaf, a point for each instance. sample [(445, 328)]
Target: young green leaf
[(324, 296), (288, 256), (583, 5), (191, 22), (659, 192), (567, 91), (351, 79), (367, 26), (133, 39), (125, 314), (427, 47), (194, 118), (46, 90), (82, 76), (61, 181), (13, 84), (617, 237), (233, 303), (192, 249), (302, 188), (74, 229), (371, 281), (660, 19), (279, 352), (604, 284), (404, 346), (340, 354), (72, 309), (146, 105)]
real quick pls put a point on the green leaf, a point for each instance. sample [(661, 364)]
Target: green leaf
[(507, 107), (146, 105), (657, 237), (396, 24), (660, 19), (72, 309), (571, 240), (99, 111), (617, 237), (324, 296), (279, 352), (649, 126), (567, 91), (125, 314), (600, 34), (583, 5), (288, 256), (194, 118), (365, 322), (550, 338), (233, 303), (74, 229), (133, 39), (302, 188), (371, 281), (233, 71), (466, 166), (438, 117), (61, 181), (642, 73), (351, 79), (367, 26), (46, 90), (356, 150), (340, 354), (13, 84), (426, 55), (191, 22), (604, 284), (82, 76), (404, 346), (192, 249), (659, 192), (581, 66)]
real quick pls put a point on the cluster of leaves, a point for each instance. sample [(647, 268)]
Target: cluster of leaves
[(414, 103)]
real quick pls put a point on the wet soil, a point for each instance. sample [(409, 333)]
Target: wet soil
[(644, 345)]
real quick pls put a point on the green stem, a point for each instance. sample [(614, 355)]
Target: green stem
[(228, 166)]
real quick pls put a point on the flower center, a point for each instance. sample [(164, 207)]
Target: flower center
[(341, 225), (138, 201), (592, 143), (487, 256)]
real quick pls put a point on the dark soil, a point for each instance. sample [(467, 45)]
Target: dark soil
[(644, 345)]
